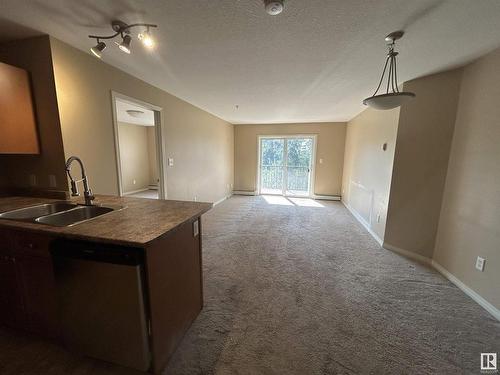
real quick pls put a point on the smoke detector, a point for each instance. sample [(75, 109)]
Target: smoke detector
[(274, 7)]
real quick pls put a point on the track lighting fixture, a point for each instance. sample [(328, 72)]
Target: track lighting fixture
[(98, 48), (393, 97), (123, 30)]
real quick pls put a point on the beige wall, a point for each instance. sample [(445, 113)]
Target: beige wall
[(134, 156), (469, 225), (330, 148), (367, 167), (34, 55), (153, 164), (200, 143), (423, 143)]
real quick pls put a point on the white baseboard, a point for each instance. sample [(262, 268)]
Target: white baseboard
[(221, 200), (408, 254), (326, 197), (244, 192), (471, 293), (464, 288), (363, 223)]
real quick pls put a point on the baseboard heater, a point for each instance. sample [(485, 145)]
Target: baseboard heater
[(244, 192), (328, 197)]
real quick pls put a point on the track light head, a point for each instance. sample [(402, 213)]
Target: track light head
[(147, 39), (125, 44), (97, 49)]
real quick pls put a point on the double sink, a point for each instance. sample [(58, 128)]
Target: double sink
[(59, 214)]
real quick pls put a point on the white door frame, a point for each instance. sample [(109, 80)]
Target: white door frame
[(312, 174), (162, 188)]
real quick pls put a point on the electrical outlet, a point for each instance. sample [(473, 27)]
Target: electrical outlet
[(321, 160), (52, 181), (170, 162), (32, 179), (134, 181), (195, 198), (480, 264)]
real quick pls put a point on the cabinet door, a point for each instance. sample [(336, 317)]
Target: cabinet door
[(175, 288), (37, 279), (11, 303), (17, 116)]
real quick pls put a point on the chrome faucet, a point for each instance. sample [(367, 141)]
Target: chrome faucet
[(87, 192)]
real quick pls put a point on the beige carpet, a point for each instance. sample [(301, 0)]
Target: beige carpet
[(301, 288), (292, 289)]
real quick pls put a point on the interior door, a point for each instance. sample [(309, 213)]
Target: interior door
[(299, 153)]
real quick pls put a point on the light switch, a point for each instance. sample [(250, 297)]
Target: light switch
[(32, 179), (321, 161), (480, 264), (170, 162)]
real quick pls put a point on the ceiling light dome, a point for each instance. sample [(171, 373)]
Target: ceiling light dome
[(274, 7), (393, 97), (135, 113)]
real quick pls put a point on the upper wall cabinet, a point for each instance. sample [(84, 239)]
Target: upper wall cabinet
[(18, 133)]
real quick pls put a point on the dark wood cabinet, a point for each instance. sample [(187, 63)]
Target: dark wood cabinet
[(171, 275), (11, 311), (36, 277), (27, 286), (173, 264)]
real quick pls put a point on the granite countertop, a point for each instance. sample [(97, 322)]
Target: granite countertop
[(142, 221)]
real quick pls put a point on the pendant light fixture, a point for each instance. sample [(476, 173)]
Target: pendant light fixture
[(123, 30), (393, 97)]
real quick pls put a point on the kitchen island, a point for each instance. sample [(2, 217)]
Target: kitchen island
[(164, 237)]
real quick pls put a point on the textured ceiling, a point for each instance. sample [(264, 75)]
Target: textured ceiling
[(314, 62)]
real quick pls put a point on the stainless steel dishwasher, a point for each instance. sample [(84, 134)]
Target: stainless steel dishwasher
[(102, 302)]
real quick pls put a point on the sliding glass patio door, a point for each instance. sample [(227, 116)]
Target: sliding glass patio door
[(286, 165)]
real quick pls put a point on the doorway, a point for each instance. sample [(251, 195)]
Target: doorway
[(139, 151), (286, 165)]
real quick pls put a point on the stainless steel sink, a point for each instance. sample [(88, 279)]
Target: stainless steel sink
[(60, 214), (33, 212), (74, 216)]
